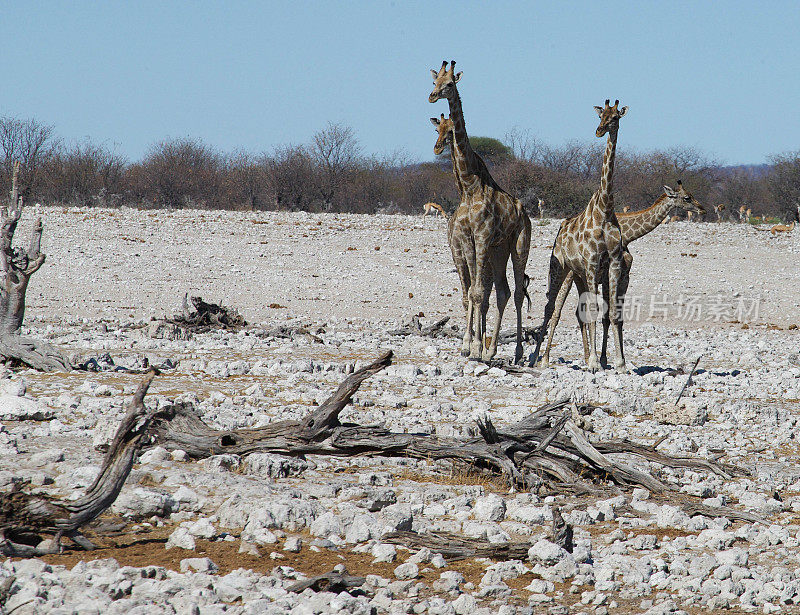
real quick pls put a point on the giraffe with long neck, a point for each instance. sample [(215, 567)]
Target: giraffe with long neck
[(633, 225), (490, 226), (583, 240)]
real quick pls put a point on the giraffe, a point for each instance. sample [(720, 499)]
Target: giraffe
[(582, 241), (633, 225), (718, 209), (490, 225), (541, 209)]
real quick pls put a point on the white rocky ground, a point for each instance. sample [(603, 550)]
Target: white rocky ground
[(109, 272)]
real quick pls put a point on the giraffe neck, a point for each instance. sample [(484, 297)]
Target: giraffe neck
[(637, 224), (459, 183), (470, 167), (605, 200)]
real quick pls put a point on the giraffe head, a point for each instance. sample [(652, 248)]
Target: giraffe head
[(444, 82), (683, 199), (444, 126), (609, 118)]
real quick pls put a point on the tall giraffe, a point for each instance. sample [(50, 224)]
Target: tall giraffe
[(633, 225), (582, 241), (493, 225)]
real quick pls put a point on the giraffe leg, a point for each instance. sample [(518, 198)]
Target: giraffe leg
[(590, 298), (581, 322), (614, 274), (519, 259), (580, 314), (563, 293), (462, 267), (558, 277), (502, 294), (606, 325), (481, 290)]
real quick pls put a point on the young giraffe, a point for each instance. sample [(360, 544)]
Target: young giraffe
[(582, 241), (632, 226), (492, 224)]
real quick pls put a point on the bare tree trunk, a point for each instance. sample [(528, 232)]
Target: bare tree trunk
[(17, 266), (23, 516)]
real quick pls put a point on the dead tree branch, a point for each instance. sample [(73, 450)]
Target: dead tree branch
[(546, 444), (414, 327), (207, 317), (17, 265), (455, 547), (24, 516)]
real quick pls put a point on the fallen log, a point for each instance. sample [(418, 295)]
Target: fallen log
[(454, 547), (25, 516), (545, 445)]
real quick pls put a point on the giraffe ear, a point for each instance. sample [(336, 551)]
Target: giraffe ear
[(599, 111), (670, 192), (457, 78), (435, 74), (623, 111), (435, 121)]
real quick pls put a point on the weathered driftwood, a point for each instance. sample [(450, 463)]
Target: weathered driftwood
[(291, 333), (546, 444), (206, 317), (414, 327), (25, 516), (335, 581), (455, 547), (17, 265)]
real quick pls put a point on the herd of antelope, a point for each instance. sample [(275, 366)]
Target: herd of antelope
[(590, 249)]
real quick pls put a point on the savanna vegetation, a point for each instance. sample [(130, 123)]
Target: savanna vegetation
[(332, 173)]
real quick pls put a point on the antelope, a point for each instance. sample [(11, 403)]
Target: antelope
[(782, 228)]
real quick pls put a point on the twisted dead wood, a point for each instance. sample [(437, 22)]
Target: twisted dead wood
[(455, 547), (17, 265), (23, 516), (206, 317), (546, 444)]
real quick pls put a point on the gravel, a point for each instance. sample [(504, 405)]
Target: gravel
[(634, 550)]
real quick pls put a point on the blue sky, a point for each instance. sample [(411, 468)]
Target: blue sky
[(720, 76)]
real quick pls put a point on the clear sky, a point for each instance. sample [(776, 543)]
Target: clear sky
[(721, 76)]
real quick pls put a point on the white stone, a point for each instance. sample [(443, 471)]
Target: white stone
[(489, 508), (181, 538), (406, 571), (383, 552), (198, 564)]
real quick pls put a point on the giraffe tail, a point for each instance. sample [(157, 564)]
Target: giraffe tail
[(526, 280)]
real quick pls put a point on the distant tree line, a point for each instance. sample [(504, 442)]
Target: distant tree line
[(331, 173)]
